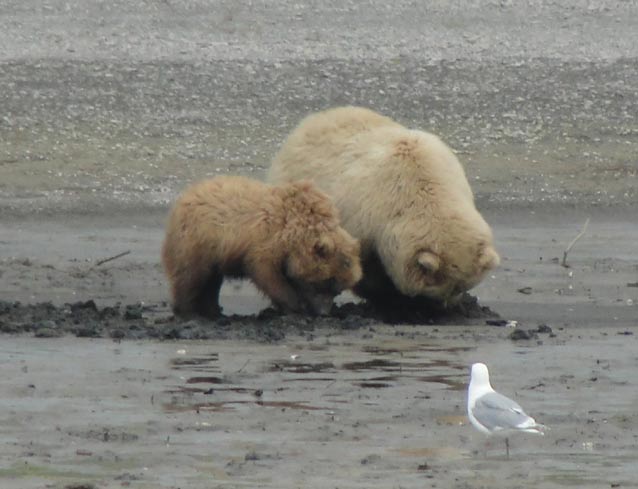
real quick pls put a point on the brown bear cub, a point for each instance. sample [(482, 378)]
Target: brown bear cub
[(286, 239)]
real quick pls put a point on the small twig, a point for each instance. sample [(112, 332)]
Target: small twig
[(569, 246), (329, 384), (101, 262), (243, 366)]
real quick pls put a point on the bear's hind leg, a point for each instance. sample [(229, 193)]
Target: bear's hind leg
[(206, 302), (197, 295)]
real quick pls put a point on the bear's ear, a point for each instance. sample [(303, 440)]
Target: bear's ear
[(303, 186), (429, 262), (488, 258), (324, 247)]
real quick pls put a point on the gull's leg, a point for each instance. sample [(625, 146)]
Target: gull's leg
[(507, 448), (487, 445)]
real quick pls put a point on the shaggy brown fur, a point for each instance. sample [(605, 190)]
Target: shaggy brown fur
[(286, 239)]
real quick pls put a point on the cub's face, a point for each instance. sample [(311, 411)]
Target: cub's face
[(322, 267)]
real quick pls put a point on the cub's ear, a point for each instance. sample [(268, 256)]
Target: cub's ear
[(324, 247), (429, 262)]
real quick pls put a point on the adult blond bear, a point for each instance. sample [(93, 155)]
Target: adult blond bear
[(402, 192), (287, 239)]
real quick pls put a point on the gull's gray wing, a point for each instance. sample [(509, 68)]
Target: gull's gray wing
[(497, 412)]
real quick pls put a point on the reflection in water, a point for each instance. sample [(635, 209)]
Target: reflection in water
[(391, 361), (205, 380), (379, 350), (372, 385), (203, 363), (300, 368), (223, 406), (449, 453)]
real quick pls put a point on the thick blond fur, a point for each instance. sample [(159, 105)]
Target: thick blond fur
[(286, 239), (402, 192)]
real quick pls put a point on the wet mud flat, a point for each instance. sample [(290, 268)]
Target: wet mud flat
[(372, 407), (101, 387)]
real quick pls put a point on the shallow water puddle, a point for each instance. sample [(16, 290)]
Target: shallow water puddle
[(448, 380), (210, 391), (372, 385), (446, 453), (203, 363), (396, 365), (411, 348), (400, 369), (310, 379), (225, 406), (375, 364), (205, 380), (292, 366)]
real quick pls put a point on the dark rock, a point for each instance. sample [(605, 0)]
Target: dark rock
[(521, 334), (543, 328), (117, 334), (77, 306), (251, 456), (43, 331), (133, 311), (496, 322)]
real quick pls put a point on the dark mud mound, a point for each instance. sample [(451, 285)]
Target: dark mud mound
[(407, 310), (154, 321)]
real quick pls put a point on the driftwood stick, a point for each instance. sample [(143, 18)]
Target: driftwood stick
[(115, 257), (569, 246), (243, 366)]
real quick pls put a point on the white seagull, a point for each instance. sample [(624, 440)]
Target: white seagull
[(493, 413)]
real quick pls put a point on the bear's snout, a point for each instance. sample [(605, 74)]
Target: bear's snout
[(320, 304)]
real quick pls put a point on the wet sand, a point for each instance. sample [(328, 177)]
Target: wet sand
[(316, 403), (57, 261), (379, 407)]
